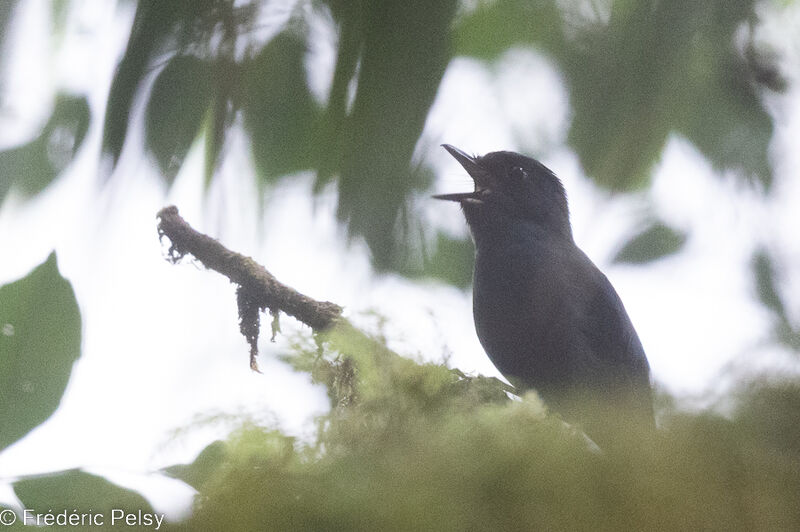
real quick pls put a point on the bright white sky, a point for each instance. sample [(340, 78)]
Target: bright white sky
[(161, 345)]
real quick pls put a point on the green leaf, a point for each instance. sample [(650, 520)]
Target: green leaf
[(59, 11), (725, 119), (178, 103), (221, 115), (188, 21), (153, 23), (76, 491), (654, 243), (766, 280), (639, 73), (406, 49), (452, 261), (40, 340), (203, 468), (350, 17), (764, 272), (6, 11), (31, 167), (492, 28), (279, 111), (626, 87), (205, 29)]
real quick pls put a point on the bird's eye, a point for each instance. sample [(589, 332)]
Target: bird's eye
[(518, 174)]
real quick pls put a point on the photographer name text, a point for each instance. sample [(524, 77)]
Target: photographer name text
[(86, 519)]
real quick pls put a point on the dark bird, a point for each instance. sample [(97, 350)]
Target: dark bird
[(545, 314)]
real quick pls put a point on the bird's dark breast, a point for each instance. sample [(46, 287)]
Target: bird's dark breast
[(519, 315), (550, 320)]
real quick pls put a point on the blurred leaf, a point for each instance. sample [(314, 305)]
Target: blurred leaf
[(153, 23), (60, 11), (77, 491), (31, 167), (40, 340), (452, 261), (765, 283), (725, 119), (179, 101), (769, 295), (221, 115), (204, 466), (185, 29), (626, 84), (349, 14), (492, 28), (762, 64), (655, 242), (659, 67), (279, 111), (6, 11), (636, 71), (405, 51)]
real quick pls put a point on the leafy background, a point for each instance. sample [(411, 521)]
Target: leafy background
[(305, 133)]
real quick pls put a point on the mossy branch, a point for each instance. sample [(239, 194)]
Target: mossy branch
[(261, 286), (258, 290)]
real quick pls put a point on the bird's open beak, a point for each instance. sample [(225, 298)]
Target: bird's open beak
[(467, 161), (478, 174)]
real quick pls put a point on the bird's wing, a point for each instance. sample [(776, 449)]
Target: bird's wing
[(608, 336)]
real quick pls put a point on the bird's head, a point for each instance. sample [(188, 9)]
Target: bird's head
[(510, 187)]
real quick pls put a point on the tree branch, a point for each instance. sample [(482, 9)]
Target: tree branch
[(258, 289)]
